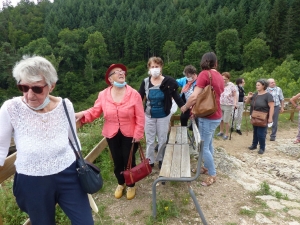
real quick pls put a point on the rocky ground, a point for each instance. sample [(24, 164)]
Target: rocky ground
[(233, 199)]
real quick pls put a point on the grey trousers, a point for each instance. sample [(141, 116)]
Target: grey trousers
[(275, 121), (156, 127), (238, 116)]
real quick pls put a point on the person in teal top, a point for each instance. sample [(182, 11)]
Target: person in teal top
[(158, 90), (187, 83)]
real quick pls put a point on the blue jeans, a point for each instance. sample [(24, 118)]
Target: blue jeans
[(207, 129), (259, 136)]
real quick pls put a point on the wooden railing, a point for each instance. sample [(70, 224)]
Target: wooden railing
[(288, 108)]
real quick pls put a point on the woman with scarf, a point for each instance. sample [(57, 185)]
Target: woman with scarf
[(123, 113), (187, 83)]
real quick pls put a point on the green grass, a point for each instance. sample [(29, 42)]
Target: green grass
[(166, 209), (9, 210), (266, 190), (136, 212), (247, 212), (261, 205)]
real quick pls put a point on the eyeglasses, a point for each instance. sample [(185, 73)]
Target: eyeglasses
[(117, 71), (35, 89)]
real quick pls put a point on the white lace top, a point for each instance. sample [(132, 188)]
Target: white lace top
[(41, 138)]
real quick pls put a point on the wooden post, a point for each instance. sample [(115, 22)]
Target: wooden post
[(8, 168)]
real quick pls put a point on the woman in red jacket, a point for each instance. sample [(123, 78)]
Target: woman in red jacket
[(124, 121)]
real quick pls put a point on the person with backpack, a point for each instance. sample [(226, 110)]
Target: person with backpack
[(158, 91), (187, 83)]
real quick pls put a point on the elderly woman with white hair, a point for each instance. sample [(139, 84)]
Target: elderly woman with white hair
[(45, 166)]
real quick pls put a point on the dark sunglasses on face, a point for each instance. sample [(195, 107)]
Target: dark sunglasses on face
[(35, 89)]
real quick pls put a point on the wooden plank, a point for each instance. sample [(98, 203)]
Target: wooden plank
[(185, 161), (178, 135), (176, 162), (27, 222), (167, 162), (96, 151), (174, 118), (8, 169), (184, 137), (172, 136)]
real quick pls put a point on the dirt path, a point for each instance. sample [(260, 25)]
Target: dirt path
[(229, 201)]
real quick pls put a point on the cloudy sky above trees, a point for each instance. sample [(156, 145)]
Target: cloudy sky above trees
[(15, 2)]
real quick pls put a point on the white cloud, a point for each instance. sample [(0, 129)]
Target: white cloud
[(15, 2)]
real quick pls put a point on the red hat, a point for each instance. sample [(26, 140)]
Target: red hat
[(112, 66)]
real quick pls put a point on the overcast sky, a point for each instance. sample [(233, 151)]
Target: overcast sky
[(15, 2)]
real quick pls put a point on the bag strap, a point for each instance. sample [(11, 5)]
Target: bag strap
[(78, 152), (129, 162), (210, 78), (142, 156)]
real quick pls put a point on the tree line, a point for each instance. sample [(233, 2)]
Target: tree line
[(252, 39)]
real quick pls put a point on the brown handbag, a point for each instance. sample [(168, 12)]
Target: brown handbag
[(138, 172), (258, 118), (206, 103)]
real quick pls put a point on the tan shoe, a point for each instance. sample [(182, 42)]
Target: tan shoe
[(130, 192), (119, 191)]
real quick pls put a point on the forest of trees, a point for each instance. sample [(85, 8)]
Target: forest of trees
[(252, 38)]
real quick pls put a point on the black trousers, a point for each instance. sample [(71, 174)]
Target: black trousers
[(184, 117), (120, 146)]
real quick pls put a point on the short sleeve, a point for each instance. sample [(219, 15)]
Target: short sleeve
[(202, 80), (270, 98)]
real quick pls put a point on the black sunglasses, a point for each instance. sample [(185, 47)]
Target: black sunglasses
[(35, 89)]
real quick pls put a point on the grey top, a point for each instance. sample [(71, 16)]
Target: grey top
[(261, 102)]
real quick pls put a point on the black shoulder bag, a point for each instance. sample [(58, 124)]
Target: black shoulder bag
[(89, 175)]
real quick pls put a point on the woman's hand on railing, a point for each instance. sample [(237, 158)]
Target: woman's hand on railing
[(78, 116)]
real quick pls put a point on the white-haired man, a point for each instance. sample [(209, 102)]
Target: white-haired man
[(277, 94)]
